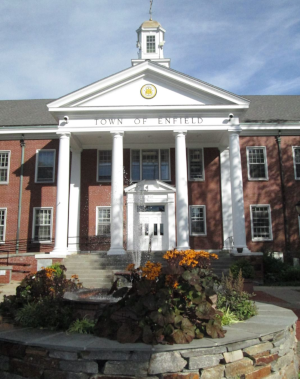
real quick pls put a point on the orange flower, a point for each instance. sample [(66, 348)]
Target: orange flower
[(151, 270), (74, 276), (130, 267), (189, 257)]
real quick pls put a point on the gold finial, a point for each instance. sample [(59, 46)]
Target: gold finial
[(150, 11)]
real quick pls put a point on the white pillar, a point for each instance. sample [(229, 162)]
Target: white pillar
[(116, 213), (62, 197), (74, 203), (182, 207), (238, 214), (226, 198)]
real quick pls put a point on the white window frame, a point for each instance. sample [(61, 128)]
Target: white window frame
[(255, 239), (8, 166), (204, 217), (33, 225), (4, 229), (265, 163), (189, 166), (159, 164), (97, 171), (294, 159), (36, 166), (97, 220), (155, 48)]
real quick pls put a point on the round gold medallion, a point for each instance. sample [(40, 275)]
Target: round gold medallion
[(148, 91)]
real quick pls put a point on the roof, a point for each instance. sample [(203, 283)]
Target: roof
[(270, 108), (25, 113), (150, 24)]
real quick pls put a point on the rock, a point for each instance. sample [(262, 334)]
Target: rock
[(291, 371), (267, 337), (64, 375), (233, 356), (283, 361), (258, 373), (216, 372), (232, 370), (26, 369), (256, 349), (79, 366), (260, 359), (4, 363), (66, 355), (204, 361), (8, 375), (199, 352), (105, 355), (12, 350), (120, 368), (180, 375), (242, 344), (36, 351), (161, 363)]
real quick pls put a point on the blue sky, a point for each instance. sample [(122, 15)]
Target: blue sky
[(52, 47)]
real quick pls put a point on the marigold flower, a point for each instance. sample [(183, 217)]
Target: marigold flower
[(130, 267), (151, 270)]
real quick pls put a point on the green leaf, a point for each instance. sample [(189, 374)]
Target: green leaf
[(187, 275), (214, 329), (158, 318)]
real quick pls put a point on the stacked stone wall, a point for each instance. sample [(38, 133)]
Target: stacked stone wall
[(272, 356)]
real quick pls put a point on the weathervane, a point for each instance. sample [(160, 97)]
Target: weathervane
[(150, 11)]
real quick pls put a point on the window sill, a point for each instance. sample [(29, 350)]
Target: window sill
[(4, 183), (196, 180), (43, 242), (44, 182), (262, 239), (198, 235), (258, 179)]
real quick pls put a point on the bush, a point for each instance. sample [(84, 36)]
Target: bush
[(39, 299), (276, 271), (83, 326), (246, 267), (292, 274), (165, 305), (231, 296)]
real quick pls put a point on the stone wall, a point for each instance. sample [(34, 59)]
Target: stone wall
[(271, 356)]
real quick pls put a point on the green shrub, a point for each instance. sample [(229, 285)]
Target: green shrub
[(292, 274), (246, 267), (231, 296), (83, 326), (45, 313), (276, 271), (228, 317)]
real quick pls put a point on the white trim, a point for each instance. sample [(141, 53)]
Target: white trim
[(97, 219), (159, 163), (97, 167), (33, 224), (8, 166), (204, 219), (257, 239), (36, 166), (4, 229), (203, 167), (265, 163), (294, 161)]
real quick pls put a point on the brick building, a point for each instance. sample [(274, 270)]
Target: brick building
[(150, 156)]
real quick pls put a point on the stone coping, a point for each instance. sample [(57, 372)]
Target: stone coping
[(270, 319)]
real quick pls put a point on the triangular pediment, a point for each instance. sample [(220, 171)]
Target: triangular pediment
[(124, 90), (150, 186)]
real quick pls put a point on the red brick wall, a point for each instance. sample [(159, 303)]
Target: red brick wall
[(34, 194), (269, 192), (5, 279), (208, 193)]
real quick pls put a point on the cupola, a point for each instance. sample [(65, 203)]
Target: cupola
[(150, 42)]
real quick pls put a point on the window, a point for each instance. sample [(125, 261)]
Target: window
[(104, 165), (296, 153), (103, 221), (42, 225), (150, 44), (150, 164), (4, 166), (45, 166), (2, 224), (261, 225), (257, 163), (196, 166), (197, 220)]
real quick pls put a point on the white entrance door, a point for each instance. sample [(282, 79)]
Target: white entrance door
[(153, 227)]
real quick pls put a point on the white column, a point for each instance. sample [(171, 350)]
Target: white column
[(62, 197), (238, 214), (116, 213), (182, 207), (226, 198), (74, 203)]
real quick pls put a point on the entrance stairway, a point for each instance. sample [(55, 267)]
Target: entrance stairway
[(96, 270)]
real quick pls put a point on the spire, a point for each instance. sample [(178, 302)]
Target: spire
[(150, 11)]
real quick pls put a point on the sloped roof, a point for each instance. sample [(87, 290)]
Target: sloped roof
[(25, 113), (270, 108)]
